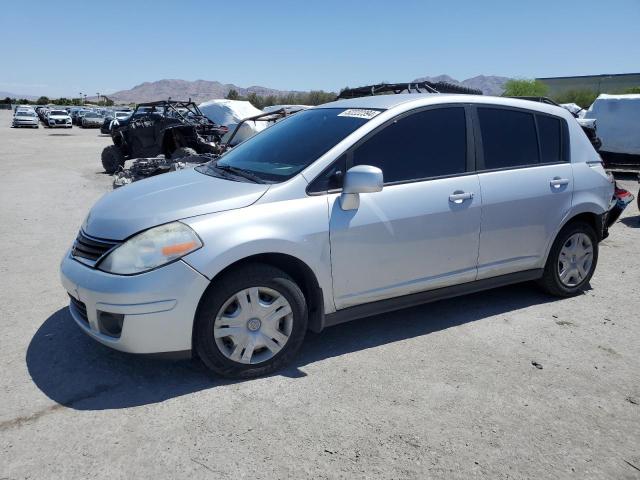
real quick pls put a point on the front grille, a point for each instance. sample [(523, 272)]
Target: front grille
[(80, 308), (91, 248)]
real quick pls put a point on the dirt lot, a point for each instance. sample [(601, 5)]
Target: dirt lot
[(446, 390)]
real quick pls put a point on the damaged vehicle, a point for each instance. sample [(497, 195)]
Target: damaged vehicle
[(149, 167), (171, 128), (339, 212)]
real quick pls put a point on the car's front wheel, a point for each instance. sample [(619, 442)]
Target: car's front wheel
[(250, 322), (572, 260)]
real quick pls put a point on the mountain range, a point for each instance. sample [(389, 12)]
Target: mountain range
[(490, 85), (198, 91), (203, 90)]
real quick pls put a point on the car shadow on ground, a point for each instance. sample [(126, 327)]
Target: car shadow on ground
[(633, 222), (77, 372)]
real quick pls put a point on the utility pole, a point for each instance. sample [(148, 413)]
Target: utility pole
[(80, 93), (98, 94)]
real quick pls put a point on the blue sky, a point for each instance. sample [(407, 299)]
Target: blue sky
[(60, 48)]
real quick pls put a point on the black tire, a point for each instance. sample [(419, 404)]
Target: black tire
[(253, 275), (183, 152), (550, 281), (112, 159)]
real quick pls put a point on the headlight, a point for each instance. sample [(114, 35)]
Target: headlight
[(151, 249)]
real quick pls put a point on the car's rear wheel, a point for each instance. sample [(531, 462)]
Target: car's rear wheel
[(250, 322), (112, 159), (572, 260)]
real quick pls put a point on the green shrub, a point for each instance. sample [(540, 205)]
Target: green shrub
[(525, 88), (584, 97)]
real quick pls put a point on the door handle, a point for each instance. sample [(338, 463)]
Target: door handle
[(558, 182), (459, 196)]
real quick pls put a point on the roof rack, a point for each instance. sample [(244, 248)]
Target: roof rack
[(411, 87)]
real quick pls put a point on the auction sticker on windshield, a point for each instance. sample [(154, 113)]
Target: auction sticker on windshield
[(359, 113)]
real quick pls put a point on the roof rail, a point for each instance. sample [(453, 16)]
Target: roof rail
[(411, 87)]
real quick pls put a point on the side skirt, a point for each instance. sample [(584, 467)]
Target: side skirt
[(397, 303)]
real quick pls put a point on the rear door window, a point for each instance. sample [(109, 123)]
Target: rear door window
[(508, 138)]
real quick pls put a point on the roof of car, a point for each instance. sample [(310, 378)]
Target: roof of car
[(390, 101), (379, 101)]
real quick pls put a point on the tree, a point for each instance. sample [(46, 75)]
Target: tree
[(43, 100), (583, 97), (632, 90), (7, 100), (525, 88), (233, 95), (255, 100)]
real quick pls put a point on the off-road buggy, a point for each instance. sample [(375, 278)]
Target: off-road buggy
[(149, 167), (171, 128)]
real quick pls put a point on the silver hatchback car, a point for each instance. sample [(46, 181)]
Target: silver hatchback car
[(338, 212)]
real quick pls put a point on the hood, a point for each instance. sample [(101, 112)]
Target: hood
[(166, 198), (58, 117)]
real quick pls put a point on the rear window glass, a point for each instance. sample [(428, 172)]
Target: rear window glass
[(508, 138)]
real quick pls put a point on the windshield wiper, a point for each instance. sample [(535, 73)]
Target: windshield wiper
[(240, 172)]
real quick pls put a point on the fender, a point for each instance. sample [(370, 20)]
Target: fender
[(302, 233), (589, 207)]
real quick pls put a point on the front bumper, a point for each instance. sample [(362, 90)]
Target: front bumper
[(158, 306), (58, 125)]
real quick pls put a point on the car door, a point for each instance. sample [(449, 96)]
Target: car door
[(526, 182), (422, 230)]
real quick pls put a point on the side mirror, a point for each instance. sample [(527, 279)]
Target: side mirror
[(359, 179)]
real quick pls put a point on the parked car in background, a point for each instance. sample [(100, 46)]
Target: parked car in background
[(77, 116), (113, 120), (25, 118), (341, 211), (92, 120), (58, 118), (41, 112)]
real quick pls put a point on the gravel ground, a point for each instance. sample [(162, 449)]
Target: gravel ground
[(446, 390)]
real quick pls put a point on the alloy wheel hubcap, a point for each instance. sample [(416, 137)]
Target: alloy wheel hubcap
[(575, 259), (253, 325)]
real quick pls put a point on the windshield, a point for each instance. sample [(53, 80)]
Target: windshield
[(286, 148), (58, 112)]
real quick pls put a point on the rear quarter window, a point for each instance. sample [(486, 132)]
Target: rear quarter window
[(550, 134)]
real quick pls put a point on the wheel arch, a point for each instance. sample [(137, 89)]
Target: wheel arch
[(301, 273), (591, 214)]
